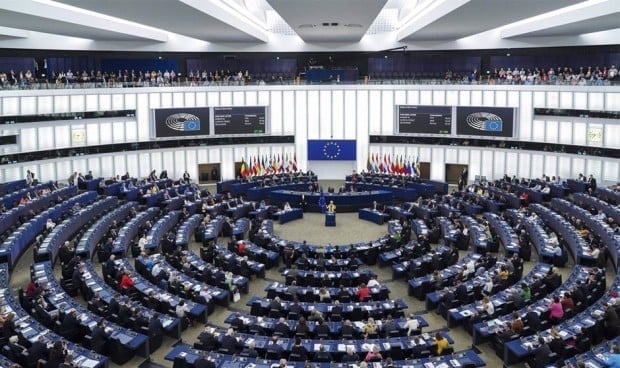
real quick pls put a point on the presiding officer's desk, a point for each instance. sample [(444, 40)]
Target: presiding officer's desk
[(268, 324), (376, 216), (345, 202), (188, 355), (458, 316), (329, 264), (311, 294), (97, 287), (29, 330), (196, 311), (285, 216), (377, 310), (133, 342)]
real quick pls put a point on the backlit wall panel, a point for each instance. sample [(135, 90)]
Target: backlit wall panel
[(276, 113), (288, 112), (28, 105), (313, 114), (387, 112), (374, 112), (105, 102), (338, 114), (350, 113)]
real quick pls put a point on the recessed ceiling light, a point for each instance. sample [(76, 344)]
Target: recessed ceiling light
[(307, 25), (353, 25)]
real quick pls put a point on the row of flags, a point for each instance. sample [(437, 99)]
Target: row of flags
[(392, 164), (271, 164)]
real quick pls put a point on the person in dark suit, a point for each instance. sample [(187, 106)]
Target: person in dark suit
[(57, 354), (612, 323), (389, 325), (71, 326), (592, 183), (203, 361), (322, 329), (275, 304), (275, 349), (347, 329), (418, 348), (337, 307), (322, 355), (250, 351), (532, 319), (110, 267), (541, 355), (351, 356), (299, 349), (208, 341), (37, 351), (155, 328), (282, 328), (296, 308), (461, 291), (113, 306), (230, 342), (124, 314), (99, 338)]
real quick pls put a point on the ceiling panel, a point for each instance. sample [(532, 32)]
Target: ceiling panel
[(346, 20), (603, 23), (482, 15), (171, 15)]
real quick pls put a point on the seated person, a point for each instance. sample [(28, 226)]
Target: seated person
[(440, 343), (373, 355), (287, 206)]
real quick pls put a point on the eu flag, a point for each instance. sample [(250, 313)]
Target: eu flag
[(322, 203), (331, 150)]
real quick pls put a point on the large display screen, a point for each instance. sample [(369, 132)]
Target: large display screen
[(239, 120), (486, 121), (424, 119), (180, 122)]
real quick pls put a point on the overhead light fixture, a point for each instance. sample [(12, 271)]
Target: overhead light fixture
[(353, 25), (307, 25)]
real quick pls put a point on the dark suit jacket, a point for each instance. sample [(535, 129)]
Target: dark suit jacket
[(98, 337), (37, 351), (203, 363), (155, 327)]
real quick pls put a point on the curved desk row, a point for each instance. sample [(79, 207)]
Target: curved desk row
[(347, 202)]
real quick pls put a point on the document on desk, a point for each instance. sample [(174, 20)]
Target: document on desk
[(89, 363)]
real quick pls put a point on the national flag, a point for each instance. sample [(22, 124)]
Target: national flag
[(295, 162), (275, 165), (417, 166), (244, 168), (368, 164), (401, 165)]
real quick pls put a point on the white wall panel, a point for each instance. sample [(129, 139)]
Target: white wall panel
[(46, 138), (611, 136), (501, 98), (579, 133), (426, 97), (400, 97), (10, 106), (425, 154), (263, 98), (362, 142), (475, 161), (512, 163), (130, 101), (118, 102), (325, 114), (132, 163), (61, 104), (288, 112), (166, 99), (566, 132), (92, 134), (566, 100), (78, 103), (451, 155), (439, 97), (486, 168), (610, 171), (540, 99), (596, 101), (120, 166), (525, 116), (551, 134), (276, 113), (488, 98), (302, 127), (94, 166), (107, 167), (214, 155), (564, 167), (92, 103), (413, 97), (513, 98), (438, 168), (203, 156), (593, 166), (191, 163), (551, 165), (143, 117), (226, 98), (105, 133), (80, 165), (28, 105), (251, 98), (553, 99), (524, 165), (464, 98), (338, 114), (313, 115), (105, 102), (45, 105), (131, 131), (178, 100), (157, 163), (476, 98), (595, 135), (189, 99), (537, 166), (213, 99), (452, 98), (579, 166), (350, 113), (118, 131), (499, 165), (238, 98), (227, 168), (62, 136), (463, 156), (374, 112), (144, 165), (177, 170), (201, 99), (538, 130), (154, 101), (168, 162), (28, 139), (580, 100), (387, 113), (47, 171), (612, 101), (64, 169)]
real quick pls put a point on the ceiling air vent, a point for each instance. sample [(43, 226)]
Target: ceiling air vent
[(307, 26), (353, 25)]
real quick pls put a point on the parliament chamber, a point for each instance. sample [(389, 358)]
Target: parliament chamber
[(332, 184)]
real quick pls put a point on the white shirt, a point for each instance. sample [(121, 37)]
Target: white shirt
[(142, 243), (156, 270), (412, 325), (181, 310), (373, 283)]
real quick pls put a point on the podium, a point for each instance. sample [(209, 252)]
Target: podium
[(330, 218)]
